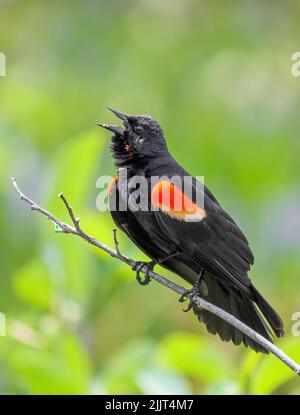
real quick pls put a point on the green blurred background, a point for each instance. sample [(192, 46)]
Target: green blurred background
[(217, 75)]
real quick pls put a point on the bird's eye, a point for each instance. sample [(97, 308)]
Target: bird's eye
[(138, 129)]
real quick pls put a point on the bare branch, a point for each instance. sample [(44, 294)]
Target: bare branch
[(64, 227), (200, 302)]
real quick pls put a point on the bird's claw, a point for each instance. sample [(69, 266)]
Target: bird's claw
[(185, 296), (138, 267), (191, 293)]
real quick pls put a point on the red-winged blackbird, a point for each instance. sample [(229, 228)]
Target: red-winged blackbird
[(205, 247)]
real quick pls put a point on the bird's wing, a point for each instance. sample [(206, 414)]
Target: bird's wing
[(207, 234), (127, 221)]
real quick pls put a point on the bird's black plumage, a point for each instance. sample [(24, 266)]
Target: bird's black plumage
[(214, 243)]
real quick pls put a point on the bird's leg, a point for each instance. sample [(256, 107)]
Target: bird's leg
[(150, 266), (194, 291)]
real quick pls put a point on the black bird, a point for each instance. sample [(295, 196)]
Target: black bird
[(203, 245)]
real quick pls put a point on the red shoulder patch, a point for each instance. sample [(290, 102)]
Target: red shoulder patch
[(172, 200), (112, 185)]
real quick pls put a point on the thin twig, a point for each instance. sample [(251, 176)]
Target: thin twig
[(71, 213), (200, 302), (116, 242)]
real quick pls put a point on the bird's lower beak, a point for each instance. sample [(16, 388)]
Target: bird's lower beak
[(114, 128)]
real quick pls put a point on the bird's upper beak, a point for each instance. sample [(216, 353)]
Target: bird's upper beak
[(115, 128)]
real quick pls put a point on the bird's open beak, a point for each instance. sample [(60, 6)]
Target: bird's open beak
[(115, 128)]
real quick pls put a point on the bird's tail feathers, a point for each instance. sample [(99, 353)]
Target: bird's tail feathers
[(243, 308), (268, 312)]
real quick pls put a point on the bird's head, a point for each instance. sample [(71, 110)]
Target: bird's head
[(140, 139)]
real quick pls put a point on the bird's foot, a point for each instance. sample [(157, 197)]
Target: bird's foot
[(138, 267), (150, 266), (188, 295), (193, 292)]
